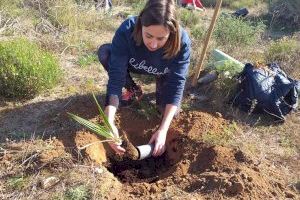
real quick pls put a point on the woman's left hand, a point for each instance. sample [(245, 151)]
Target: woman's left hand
[(159, 138)]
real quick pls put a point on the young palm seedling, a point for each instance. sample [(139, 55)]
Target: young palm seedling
[(104, 130)]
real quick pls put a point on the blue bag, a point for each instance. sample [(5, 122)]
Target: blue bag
[(266, 90)]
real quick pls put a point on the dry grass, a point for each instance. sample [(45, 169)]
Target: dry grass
[(58, 25), (22, 173)]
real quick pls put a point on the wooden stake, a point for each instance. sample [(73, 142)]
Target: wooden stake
[(209, 33)]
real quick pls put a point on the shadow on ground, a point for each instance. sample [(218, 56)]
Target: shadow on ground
[(46, 118)]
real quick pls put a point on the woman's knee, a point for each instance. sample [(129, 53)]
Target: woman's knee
[(104, 54)]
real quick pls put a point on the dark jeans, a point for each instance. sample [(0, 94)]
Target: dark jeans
[(104, 52)]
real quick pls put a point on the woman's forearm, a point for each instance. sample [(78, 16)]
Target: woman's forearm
[(110, 112), (169, 113)]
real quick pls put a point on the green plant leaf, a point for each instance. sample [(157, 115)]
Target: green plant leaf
[(103, 131), (102, 114)]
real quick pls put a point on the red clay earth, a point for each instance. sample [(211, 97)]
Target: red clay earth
[(190, 169), (188, 163)]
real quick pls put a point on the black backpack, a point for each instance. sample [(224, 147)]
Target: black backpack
[(266, 90)]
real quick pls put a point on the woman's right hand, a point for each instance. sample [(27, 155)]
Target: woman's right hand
[(116, 146), (110, 112)]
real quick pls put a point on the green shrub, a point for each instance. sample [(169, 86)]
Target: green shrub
[(234, 32), (87, 59), (25, 70), (242, 4), (80, 192), (234, 4), (198, 32), (17, 182), (282, 50), (128, 2), (11, 7), (188, 17), (136, 6), (286, 52)]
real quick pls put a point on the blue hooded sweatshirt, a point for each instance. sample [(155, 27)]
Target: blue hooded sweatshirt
[(125, 54)]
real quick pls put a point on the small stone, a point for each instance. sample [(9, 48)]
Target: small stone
[(219, 115), (227, 183), (289, 194), (98, 170), (49, 182)]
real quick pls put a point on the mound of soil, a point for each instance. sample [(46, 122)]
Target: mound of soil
[(90, 146), (189, 169)]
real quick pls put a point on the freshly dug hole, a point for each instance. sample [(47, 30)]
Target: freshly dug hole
[(148, 170)]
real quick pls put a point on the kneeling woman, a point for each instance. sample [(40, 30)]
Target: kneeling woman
[(154, 44)]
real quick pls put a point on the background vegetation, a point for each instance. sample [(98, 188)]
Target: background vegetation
[(25, 69)]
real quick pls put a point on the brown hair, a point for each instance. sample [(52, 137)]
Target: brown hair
[(160, 12)]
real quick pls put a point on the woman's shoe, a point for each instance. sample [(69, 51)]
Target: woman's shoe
[(131, 95)]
